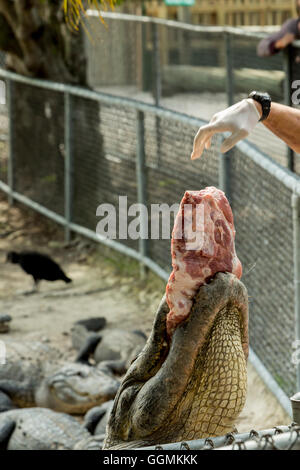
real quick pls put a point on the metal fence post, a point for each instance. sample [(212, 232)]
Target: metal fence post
[(141, 187), (296, 253), (224, 159), (144, 58), (156, 62), (224, 172), (287, 66), (10, 163), (68, 193), (157, 85), (229, 69)]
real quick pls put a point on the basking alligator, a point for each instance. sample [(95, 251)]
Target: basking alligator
[(36, 375), (4, 323), (95, 421), (118, 348), (192, 385), (90, 443), (39, 429)]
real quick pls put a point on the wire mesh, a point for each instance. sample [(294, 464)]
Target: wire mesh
[(104, 152), (120, 58), (277, 440), (191, 70), (170, 173), (266, 438), (2, 59), (263, 219), (192, 62), (38, 144), (294, 53), (265, 74)]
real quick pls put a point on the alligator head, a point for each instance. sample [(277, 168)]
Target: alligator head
[(75, 388), (192, 385)]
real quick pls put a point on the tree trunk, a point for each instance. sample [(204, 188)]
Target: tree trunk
[(38, 43)]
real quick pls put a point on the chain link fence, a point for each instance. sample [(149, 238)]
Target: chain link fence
[(2, 59), (71, 150), (191, 69), (264, 227), (67, 150), (279, 438)]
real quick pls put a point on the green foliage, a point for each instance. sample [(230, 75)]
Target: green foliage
[(50, 178), (74, 9), (166, 182)]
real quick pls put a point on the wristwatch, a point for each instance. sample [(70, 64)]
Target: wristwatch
[(265, 100)]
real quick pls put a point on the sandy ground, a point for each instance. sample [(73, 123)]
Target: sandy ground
[(104, 284)]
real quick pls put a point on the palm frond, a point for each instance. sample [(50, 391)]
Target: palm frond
[(75, 9)]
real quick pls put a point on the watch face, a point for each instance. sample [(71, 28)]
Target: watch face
[(266, 96), (263, 98)]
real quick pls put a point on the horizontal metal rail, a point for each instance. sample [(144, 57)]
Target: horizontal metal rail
[(174, 24), (255, 361), (284, 441), (215, 442), (85, 231), (289, 179), (179, 25), (285, 176), (102, 97)]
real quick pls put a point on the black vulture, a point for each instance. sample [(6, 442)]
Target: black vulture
[(38, 265)]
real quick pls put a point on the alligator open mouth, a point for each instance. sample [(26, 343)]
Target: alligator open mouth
[(194, 385), (202, 245)]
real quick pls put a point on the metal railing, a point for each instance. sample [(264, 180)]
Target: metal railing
[(232, 12), (279, 438), (69, 149), (176, 65)]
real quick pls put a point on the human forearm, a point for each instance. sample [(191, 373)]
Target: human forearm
[(241, 119), (284, 122)]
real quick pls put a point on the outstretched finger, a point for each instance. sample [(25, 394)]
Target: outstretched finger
[(208, 143), (200, 148), (203, 136)]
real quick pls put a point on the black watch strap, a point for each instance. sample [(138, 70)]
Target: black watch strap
[(265, 100)]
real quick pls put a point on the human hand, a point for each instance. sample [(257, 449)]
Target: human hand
[(239, 119)]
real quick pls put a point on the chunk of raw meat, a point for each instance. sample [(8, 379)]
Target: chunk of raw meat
[(202, 245)]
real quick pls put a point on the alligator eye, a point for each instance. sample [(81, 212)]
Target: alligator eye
[(81, 374)]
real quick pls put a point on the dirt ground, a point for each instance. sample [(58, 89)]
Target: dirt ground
[(104, 284)]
